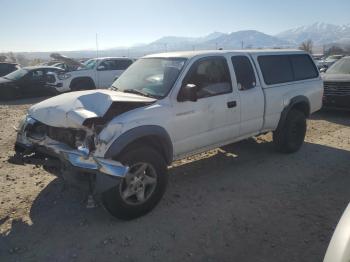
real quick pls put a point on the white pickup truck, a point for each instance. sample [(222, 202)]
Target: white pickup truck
[(166, 107), (95, 73)]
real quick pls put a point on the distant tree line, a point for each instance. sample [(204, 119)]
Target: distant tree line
[(331, 49), (307, 46), (336, 50)]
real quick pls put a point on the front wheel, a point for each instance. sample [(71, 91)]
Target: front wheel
[(290, 137), (142, 188)]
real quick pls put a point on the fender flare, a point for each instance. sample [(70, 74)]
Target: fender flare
[(293, 102), (140, 132)]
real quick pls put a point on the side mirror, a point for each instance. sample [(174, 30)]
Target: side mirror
[(188, 93), (101, 68)]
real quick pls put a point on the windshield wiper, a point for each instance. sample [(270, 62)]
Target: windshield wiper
[(138, 92)]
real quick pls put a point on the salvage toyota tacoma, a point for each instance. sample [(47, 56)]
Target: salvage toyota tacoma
[(166, 107)]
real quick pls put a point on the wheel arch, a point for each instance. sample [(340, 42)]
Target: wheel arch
[(81, 78), (300, 103), (151, 135)]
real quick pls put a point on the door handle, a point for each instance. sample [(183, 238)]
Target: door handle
[(231, 104)]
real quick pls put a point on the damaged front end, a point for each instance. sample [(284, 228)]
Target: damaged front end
[(73, 128), (72, 147)]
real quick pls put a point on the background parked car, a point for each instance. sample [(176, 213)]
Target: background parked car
[(26, 82), (324, 64), (337, 85), (66, 67), (6, 68), (94, 73)]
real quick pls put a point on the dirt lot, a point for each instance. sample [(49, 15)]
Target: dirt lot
[(242, 203)]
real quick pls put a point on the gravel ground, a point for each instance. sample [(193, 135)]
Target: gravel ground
[(243, 202)]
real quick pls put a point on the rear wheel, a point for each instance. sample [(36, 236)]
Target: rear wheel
[(142, 188), (290, 137)]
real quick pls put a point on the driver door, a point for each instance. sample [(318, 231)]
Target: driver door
[(106, 73), (215, 117)]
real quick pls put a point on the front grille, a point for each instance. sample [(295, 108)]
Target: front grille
[(67, 136), (337, 88)]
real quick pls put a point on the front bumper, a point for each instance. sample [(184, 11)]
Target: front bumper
[(77, 159)]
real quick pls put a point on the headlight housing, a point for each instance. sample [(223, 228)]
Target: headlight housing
[(64, 76), (26, 120)]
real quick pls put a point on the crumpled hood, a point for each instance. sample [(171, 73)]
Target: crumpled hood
[(74, 109), (336, 77)]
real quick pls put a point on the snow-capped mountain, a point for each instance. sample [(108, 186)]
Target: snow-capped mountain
[(183, 43), (319, 33), (248, 39)]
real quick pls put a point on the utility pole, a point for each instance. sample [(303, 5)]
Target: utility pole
[(96, 74), (242, 44), (96, 45), (216, 46)]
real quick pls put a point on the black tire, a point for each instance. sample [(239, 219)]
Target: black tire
[(113, 200), (82, 84), (290, 137)]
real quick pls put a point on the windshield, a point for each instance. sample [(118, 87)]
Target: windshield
[(150, 76), (340, 67), (16, 75), (89, 64)]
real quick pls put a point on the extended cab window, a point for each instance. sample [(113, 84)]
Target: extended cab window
[(244, 72), (303, 67), (276, 69), (211, 76)]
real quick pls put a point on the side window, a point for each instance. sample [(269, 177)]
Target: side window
[(303, 67), (122, 64), (244, 72), (211, 76), (3, 68), (37, 75), (276, 69), (107, 65)]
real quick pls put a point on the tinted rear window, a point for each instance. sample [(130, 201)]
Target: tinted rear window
[(277, 69), (303, 67)]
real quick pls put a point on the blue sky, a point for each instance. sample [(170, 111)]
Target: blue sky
[(47, 25)]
